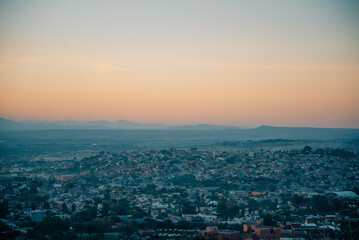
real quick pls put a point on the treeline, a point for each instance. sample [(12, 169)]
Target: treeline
[(322, 204), (257, 183)]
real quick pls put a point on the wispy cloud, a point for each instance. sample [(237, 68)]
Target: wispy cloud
[(8, 62), (290, 67)]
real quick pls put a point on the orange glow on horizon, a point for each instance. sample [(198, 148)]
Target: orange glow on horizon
[(186, 63), (178, 93)]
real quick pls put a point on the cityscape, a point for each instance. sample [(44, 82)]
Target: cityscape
[(179, 120), (294, 193)]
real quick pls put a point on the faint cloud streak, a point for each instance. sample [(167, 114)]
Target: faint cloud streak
[(291, 67)]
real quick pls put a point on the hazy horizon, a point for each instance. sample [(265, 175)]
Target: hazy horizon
[(167, 125), (237, 63)]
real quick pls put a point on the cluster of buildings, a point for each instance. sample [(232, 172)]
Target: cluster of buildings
[(286, 231), (200, 187)]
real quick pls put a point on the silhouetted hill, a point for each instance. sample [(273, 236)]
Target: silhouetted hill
[(202, 127), (9, 125), (304, 132), (202, 131)]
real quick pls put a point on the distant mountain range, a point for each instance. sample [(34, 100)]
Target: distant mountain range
[(201, 132), (10, 125)]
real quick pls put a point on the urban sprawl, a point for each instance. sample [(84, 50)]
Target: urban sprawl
[(184, 194)]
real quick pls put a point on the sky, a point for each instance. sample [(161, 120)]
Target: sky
[(244, 63)]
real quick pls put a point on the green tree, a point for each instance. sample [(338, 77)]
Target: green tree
[(4, 209), (73, 207), (130, 228), (268, 220), (64, 208), (320, 203), (298, 200), (52, 226), (307, 149), (88, 214), (228, 209), (185, 180)]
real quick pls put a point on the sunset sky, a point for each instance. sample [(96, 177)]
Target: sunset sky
[(245, 63)]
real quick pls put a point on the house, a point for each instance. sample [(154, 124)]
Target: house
[(146, 232), (312, 231), (213, 232), (263, 232)]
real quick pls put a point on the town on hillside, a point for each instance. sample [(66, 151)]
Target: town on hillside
[(183, 194)]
